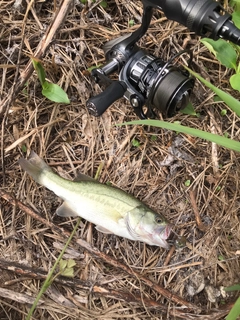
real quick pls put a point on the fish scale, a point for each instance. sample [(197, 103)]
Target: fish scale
[(89, 189)]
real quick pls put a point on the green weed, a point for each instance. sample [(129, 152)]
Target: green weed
[(50, 90), (235, 311), (103, 3), (220, 140), (226, 52), (65, 269), (135, 143)]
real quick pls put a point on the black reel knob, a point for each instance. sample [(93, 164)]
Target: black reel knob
[(98, 105)]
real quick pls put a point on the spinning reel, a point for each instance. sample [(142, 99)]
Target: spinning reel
[(147, 81)]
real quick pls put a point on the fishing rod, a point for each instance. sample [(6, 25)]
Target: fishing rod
[(147, 81)]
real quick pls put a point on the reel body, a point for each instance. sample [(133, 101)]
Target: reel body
[(144, 80), (147, 80), (163, 86)]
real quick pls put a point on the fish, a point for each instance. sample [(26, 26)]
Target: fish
[(111, 209)]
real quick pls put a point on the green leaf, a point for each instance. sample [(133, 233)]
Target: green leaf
[(103, 4), (71, 263), (236, 18), (24, 148), (94, 67), (235, 287), (68, 272), (217, 99), (189, 110), (153, 138), (223, 112), (235, 81), (62, 264), (235, 4), (135, 143), (50, 90), (39, 69), (209, 46), (233, 103), (187, 183), (222, 141), (223, 51), (235, 311), (131, 23), (54, 93)]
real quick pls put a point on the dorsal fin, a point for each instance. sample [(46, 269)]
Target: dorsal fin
[(83, 177)]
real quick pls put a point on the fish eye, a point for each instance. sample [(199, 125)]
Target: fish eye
[(158, 219)]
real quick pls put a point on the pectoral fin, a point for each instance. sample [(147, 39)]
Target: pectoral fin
[(66, 211), (103, 230)]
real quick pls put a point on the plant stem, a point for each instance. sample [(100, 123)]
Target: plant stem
[(50, 276), (235, 311)]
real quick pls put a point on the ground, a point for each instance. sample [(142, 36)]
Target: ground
[(196, 188)]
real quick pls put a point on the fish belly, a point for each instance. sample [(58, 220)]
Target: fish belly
[(97, 208), (101, 215)]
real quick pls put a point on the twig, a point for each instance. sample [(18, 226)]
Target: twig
[(19, 297), (213, 128), (50, 277), (188, 265), (56, 22), (216, 314), (169, 256), (164, 292), (12, 92), (32, 213), (36, 273), (200, 224)]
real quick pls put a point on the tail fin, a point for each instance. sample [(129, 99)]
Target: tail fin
[(34, 166)]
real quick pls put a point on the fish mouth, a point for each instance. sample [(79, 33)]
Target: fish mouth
[(166, 232), (159, 237), (164, 236)]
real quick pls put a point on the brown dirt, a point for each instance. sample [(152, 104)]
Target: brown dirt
[(71, 141)]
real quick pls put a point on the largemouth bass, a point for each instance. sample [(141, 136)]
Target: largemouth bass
[(112, 210)]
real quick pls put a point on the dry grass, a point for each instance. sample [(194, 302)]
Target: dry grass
[(71, 140)]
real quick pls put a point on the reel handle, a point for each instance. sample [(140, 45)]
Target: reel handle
[(98, 105)]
